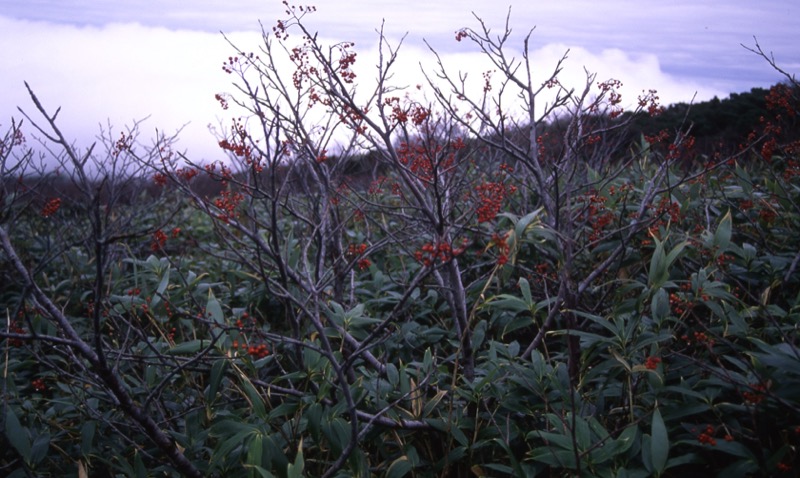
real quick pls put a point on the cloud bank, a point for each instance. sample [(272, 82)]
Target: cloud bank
[(123, 72)]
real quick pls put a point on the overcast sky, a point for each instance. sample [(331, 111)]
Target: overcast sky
[(115, 62)]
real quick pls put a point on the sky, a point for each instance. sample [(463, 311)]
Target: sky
[(110, 64)]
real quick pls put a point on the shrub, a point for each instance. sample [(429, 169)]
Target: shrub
[(451, 289)]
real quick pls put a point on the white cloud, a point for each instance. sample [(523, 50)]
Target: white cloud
[(125, 72), (117, 74)]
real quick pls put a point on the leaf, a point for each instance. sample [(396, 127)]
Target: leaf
[(554, 457), (459, 435), (17, 435), (620, 359), (583, 435), (722, 236), (659, 306), (659, 443), (162, 286), (399, 468), (295, 470), (510, 303), (255, 450), (427, 360), (214, 309), (190, 347), (40, 447), (217, 374), (253, 397), (87, 437), (657, 274), (525, 289), (661, 262), (392, 375)]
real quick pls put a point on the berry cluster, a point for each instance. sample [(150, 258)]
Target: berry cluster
[(159, 240), (491, 196), (51, 207), (706, 437), (442, 252), (652, 363), (38, 385), (356, 250), (755, 396)]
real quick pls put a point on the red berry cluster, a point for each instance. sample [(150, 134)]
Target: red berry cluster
[(660, 137), (503, 249), (159, 240), (39, 385), (698, 338), (756, 396), (780, 99), (442, 252), (187, 174), (227, 203), (649, 100), (51, 207), (15, 329), (652, 363), (599, 217), (681, 150), (356, 250), (223, 102), (491, 196), (346, 61), (679, 305), (124, 143), (258, 351), (707, 436), (418, 157), (610, 87), (239, 142)]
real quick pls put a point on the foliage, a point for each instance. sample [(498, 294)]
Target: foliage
[(454, 289)]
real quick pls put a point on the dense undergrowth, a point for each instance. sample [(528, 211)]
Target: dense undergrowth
[(500, 296)]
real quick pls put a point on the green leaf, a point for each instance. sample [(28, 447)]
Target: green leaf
[(17, 435), (214, 309), (554, 457), (295, 470), (722, 236), (659, 306), (427, 360), (525, 289), (460, 437), (583, 435), (190, 347), (87, 437), (217, 374), (40, 447), (661, 262), (255, 450), (659, 443), (658, 272), (399, 468), (162, 286), (254, 398), (510, 303), (553, 439)]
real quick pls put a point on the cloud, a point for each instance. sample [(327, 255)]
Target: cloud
[(124, 72), (116, 74)]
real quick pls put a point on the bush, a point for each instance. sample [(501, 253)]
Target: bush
[(453, 289)]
